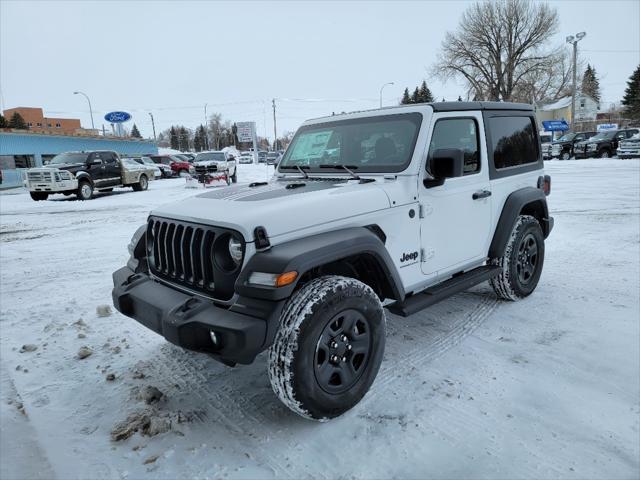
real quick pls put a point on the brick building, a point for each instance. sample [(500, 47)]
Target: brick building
[(37, 122)]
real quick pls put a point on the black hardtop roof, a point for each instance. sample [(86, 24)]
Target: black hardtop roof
[(464, 106)]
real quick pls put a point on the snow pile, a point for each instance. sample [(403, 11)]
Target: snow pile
[(547, 387)]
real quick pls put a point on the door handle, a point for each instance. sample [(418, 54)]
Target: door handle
[(481, 194)]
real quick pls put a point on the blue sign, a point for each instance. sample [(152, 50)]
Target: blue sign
[(555, 125), (117, 117)]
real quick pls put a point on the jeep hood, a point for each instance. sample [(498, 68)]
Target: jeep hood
[(281, 206)]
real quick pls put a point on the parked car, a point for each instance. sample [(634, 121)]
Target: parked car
[(563, 148), (83, 173), (630, 148), (604, 144), (157, 171), (262, 156), (304, 265), (273, 158), (246, 158), (178, 165), (188, 157), (545, 145)]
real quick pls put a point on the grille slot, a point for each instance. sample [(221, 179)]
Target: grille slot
[(182, 253)]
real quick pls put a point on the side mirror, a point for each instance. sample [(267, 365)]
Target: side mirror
[(447, 163)]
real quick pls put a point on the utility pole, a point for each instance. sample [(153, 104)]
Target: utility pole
[(275, 135), (574, 40), (206, 134), (153, 124)]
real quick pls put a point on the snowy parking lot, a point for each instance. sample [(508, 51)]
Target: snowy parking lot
[(472, 387)]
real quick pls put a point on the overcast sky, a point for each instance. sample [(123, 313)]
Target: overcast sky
[(170, 57)]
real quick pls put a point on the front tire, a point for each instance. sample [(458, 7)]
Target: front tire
[(604, 154), (234, 177), (143, 184), (521, 264), (85, 190), (566, 156), (38, 196), (328, 348)]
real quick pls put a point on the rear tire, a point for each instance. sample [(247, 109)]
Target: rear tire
[(521, 264), (38, 196), (234, 177), (328, 348), (85, 190), (143, 184)]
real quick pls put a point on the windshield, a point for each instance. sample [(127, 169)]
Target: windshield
[(215, 156), (567, 138), (272, 155), (69, 158), (603, 136), (374, 144), (148, 161), (130, 162)]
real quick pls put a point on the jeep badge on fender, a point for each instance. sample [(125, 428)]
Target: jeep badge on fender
[(409, 257), (307, 265)]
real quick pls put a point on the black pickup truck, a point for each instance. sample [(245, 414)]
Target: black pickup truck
[(604, 144), (563, 147)]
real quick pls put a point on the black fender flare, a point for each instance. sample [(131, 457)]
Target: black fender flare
[(528, 198), (84, 176), (303, 254)]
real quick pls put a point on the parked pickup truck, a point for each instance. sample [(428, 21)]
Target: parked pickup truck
[(83, 173)]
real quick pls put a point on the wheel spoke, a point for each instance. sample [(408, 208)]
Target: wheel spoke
[(360, 344), (326, 371)]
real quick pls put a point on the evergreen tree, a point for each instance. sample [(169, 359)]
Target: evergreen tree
[(135, 132), (590, 84), (631, 99), (406, 99), (17, 122), (174, 139), (184, 140), (415, 98), (425, 94), (3, 122)]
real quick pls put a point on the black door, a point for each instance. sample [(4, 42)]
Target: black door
[(112, 169)]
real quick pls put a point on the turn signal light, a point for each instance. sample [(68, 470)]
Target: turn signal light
[(286, 278)]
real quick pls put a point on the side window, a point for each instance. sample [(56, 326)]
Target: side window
[(459, 133), (95, 157), (578, 138), (110, 158), (514, 141)]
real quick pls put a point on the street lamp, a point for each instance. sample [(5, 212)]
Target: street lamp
[(574, 40), (90, 109), (381, 89), (206, 133)]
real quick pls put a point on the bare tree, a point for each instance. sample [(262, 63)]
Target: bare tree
[(498, 46)]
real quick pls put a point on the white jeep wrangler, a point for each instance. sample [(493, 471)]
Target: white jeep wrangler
[(391, 209)]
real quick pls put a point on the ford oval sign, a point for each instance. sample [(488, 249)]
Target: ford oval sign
[(117, 117)]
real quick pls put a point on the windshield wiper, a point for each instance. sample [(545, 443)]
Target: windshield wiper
[(347, 168), (300, 168)]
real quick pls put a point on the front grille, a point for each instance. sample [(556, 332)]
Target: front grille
[(202, 169), (39, 176), (184, 254)]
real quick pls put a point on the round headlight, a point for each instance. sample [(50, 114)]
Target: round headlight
[(235, 250)]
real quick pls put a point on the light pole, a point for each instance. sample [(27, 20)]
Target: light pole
[(574, 41), (381, 89), (90, 109)]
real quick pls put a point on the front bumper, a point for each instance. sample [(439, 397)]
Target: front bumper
[(186, 320), (61, 186)]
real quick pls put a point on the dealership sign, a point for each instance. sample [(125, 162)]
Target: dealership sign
[(246, 131), (555, 125), (607, 126), (117, 117)]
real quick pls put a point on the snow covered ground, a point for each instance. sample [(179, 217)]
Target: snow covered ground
[(548, 387)]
